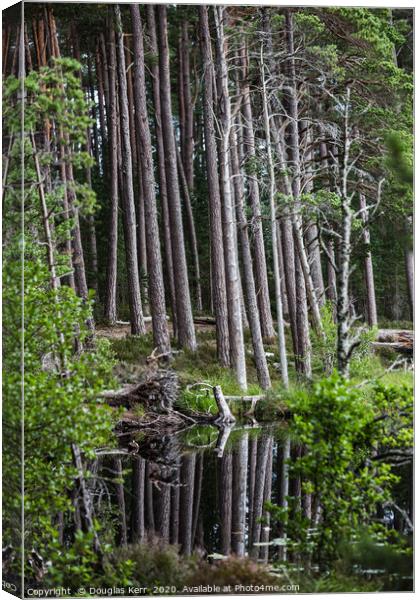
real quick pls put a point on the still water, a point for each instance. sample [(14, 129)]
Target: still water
[(203, 488)]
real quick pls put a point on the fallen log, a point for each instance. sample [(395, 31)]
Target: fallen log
[(401, 341), (394, 335), (204, 320)]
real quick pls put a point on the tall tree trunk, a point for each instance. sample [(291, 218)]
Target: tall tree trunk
[(216, 234), (110, 304), (129, 213), (344, 344), (251, 297), (311, 233), (372, 316), (304, 346), (237, 346), (276, 262), (188, 148), (186, 332), (261, 279), (154, 259), (191, 231), (163, 194)]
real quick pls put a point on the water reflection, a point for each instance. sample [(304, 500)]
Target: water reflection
[(203, 489)]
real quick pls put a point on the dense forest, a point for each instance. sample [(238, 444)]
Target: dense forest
[(207, 298)]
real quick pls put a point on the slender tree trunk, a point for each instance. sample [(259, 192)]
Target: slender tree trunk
[(372, 317), (188, 148), (251, 297), (216, 234), (344, 346), (261, 279), (311, 233), (186, 332), (154, 259), (191, 231), (237, 346), (101, 100), (163, 195), (304, 346), (276, 262), (110, 304), (129, 214), (93, 251)]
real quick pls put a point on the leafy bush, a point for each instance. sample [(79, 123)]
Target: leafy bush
[(346, 465)]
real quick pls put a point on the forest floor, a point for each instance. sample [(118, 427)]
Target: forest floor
[(131, 354)]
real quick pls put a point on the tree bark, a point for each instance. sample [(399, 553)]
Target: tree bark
[(216, 233), (237, 346), (250, 293), (186, 332), (154, 259), (276, 262), (110, 304), (188, 147), (372, 317), (163, 195), (191, 231), (261, 279), (129, 214)]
